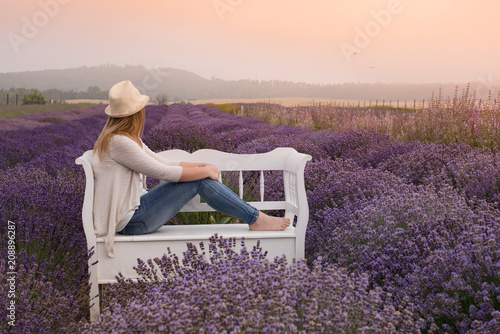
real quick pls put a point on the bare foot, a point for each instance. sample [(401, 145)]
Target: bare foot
[(269, 223)]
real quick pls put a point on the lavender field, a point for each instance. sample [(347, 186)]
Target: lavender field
[(403, 237)]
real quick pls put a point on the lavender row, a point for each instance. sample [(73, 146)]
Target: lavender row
[(41, 191), (418, 222), (239, 292), (380, 200)]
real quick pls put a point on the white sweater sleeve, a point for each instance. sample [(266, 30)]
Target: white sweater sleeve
[(159, 157), (128, 153)]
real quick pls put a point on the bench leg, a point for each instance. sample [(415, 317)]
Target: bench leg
[(95, 300)]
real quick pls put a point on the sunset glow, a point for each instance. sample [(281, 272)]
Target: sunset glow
[(316, 42)]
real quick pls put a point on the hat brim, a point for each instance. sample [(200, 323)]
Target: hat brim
[(143, 102)]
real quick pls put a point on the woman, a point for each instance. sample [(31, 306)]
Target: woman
[(121, 202)]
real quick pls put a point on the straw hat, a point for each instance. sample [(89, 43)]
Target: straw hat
[(125, 100)]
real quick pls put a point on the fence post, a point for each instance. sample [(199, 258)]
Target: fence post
[(16, 99), (376, 103), (415, 104), (397, 104), (7, 99)]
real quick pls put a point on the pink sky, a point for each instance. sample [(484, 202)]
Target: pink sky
[(296, 40)]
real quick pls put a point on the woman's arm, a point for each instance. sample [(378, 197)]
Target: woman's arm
[(192, 164), (128, 153), (196, 172), (191, 171)]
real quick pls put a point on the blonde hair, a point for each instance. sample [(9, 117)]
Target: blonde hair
[(131, 126)]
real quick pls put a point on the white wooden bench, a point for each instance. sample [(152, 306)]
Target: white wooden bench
[(129, 248)]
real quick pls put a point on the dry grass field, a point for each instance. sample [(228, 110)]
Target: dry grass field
[(9, 111)]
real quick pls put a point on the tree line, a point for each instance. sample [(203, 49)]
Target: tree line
[(92, 92)]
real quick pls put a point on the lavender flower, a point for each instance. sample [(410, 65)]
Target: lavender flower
[(243, 292), (398, 232)]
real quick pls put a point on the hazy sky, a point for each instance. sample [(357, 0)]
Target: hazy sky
[(314, 41)]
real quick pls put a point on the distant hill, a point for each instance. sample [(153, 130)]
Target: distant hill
[(151, 81), (184, 85)]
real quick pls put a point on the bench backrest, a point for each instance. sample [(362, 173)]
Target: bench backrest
[(88, 200)]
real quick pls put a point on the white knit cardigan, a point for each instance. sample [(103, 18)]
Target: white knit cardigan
[(117, 180)]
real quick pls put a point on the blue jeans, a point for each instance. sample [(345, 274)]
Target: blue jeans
[(162, 202)]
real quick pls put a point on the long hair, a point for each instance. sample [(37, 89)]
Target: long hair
[(131, 126)]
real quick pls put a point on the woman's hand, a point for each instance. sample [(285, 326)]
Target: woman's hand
[(213, 171)]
